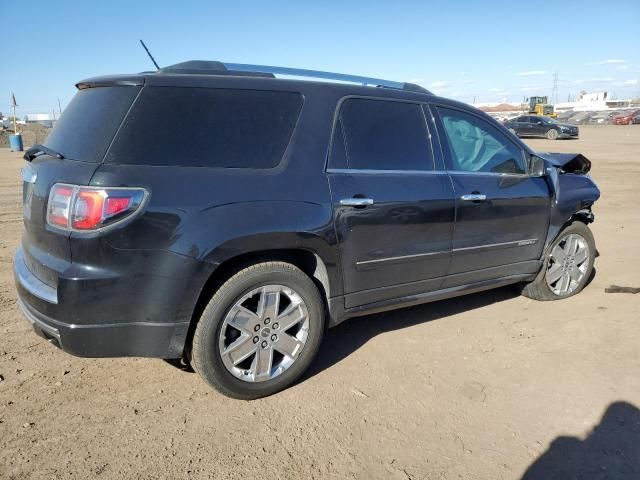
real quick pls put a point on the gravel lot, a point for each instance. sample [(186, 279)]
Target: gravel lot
[(487, 386)]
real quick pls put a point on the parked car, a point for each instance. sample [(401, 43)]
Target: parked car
[(564, 116), (626, 118), (636, 119), (580, 118), (538, 126), (231, 233)]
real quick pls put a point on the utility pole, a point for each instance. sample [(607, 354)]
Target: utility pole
[(59, 108), (14, 105), (555, 87)]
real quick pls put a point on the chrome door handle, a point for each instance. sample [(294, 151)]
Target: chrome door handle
[(473, 197), (356, 202)]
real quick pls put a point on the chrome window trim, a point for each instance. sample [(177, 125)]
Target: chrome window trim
[(488, 174), (385, 172)]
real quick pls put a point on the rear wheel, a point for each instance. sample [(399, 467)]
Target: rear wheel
[(567, 267), (552, 134), (260, 331)]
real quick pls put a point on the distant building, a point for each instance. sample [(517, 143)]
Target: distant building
[(592, 102), (46, 119)]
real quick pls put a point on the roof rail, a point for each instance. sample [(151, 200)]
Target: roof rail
[(222, 68)]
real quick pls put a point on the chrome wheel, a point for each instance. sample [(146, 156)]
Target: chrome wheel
[(568, 264), (264, 333)]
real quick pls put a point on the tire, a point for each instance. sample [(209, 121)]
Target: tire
[(233, 305), (542, 287), (552, 134)]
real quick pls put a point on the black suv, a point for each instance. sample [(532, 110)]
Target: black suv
[(217, 214), (538, 126)]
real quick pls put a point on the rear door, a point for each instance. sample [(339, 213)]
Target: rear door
[(502, 214), (393, 206)]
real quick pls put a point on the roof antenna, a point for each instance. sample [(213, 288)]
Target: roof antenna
[(150, 56)]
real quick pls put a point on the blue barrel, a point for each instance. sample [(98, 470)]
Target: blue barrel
[(15, 142)]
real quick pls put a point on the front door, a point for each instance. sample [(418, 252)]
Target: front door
[(393, 210), (502, 214)]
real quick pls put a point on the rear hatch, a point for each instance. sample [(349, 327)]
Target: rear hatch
[(81, 138)]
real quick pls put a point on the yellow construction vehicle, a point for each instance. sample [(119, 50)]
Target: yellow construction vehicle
[(539, 106)]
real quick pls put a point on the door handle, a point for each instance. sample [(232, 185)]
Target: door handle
[(356, 202), (473, 197)]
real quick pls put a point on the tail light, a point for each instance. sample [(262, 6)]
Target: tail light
[(72, 207)]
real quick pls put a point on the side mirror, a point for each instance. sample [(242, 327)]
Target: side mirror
[(537, 168)]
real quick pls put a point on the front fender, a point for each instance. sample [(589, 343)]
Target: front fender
[(571, 194)]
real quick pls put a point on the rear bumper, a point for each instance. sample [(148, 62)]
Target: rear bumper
[(44, 307)]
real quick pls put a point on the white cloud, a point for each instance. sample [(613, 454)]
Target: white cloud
[(625, 83), (440, 84), (610, 61), (467, 82), (527, 89), (592, 80), (531, 72), (623, 67)]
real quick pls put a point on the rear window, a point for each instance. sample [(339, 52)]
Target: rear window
[(90, 121), (202, 127)]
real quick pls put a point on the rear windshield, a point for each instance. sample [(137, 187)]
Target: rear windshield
[(88, 124), (203, 127)]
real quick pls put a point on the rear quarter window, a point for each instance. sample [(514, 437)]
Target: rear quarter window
[(202, 127), (88, 124)]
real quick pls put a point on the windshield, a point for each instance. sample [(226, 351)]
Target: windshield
[(88, 124)]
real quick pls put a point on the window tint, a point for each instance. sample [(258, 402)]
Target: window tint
[(338, 157), (207, 128), (383, 135), (88, 124), (476, 146)]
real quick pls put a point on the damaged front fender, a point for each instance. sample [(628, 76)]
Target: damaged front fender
[(567, 162), (573, 191)]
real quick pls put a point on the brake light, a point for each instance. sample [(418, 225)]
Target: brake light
[(73, 207)]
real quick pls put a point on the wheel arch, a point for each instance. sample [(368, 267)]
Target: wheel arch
[(307, 260)]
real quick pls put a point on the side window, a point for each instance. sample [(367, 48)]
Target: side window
[(381, 135), (477, 146), (224, 127), (338, 157)]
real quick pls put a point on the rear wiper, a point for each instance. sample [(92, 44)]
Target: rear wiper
[(38, 149)]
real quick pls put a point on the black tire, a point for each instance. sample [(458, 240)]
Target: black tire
[(552, 134), (539, 289), (206, 356)]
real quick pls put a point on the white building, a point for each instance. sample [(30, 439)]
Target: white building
[(591, 102)]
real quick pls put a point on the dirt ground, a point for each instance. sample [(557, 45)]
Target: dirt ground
[(487, 386)]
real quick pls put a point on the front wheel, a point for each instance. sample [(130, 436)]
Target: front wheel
[(552, 134), (260, 331), (567, 266)]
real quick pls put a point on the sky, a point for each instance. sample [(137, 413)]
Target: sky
[(464, 49)]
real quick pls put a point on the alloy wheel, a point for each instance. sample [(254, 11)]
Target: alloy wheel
[(264, 333), (568, 264)]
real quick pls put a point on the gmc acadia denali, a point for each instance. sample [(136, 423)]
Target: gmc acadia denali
[(215, 213)]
